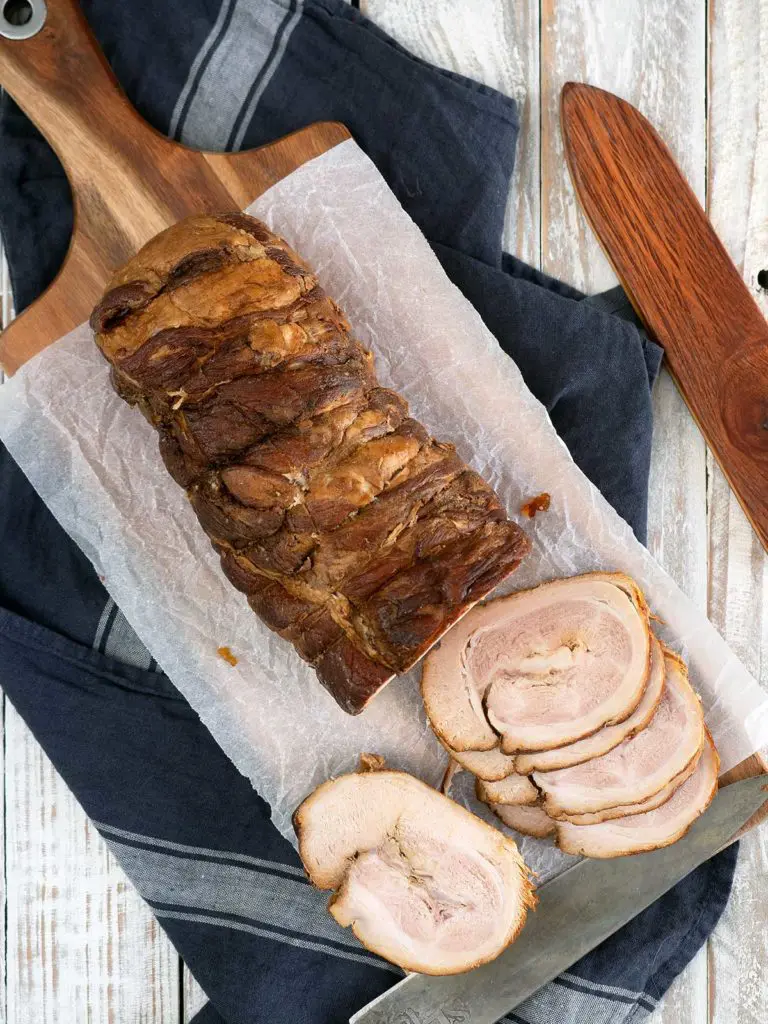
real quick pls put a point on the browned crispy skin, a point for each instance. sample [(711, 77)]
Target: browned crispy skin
[(353, 533)]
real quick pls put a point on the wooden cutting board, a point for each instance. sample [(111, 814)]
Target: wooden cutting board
[(128, 181)]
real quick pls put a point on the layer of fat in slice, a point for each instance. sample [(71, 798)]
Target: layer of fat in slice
[(609, 736), (640, 766), (454, 704), (561, 661), (491, 765), (514, 789), (650, 804), (530, 820), (640, 833), (421, 881)]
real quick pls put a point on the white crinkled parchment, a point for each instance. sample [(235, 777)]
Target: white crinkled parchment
[(94, 461)]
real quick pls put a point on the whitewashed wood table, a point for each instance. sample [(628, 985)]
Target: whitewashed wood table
[(78, 944)]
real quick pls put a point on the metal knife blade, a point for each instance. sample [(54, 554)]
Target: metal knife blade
[(577, 911)]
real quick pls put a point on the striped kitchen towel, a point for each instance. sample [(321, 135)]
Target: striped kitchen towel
[(189, 830)]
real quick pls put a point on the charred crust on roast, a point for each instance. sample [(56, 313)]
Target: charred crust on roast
[(118, 303), (306, 474), (250, 225)]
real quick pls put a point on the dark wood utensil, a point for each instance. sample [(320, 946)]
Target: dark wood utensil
[(680, 280)]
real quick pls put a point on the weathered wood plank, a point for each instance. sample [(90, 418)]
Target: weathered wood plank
[(494, 42), (82, 945), (194, 997), (738, 605), (653, 54)]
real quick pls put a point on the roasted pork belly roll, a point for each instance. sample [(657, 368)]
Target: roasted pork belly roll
[(421, 881), (336, 513)]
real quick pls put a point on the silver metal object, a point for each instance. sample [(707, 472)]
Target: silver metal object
[(22, 19), (577, 911)]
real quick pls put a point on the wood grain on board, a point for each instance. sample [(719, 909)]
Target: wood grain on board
[(128, 181)]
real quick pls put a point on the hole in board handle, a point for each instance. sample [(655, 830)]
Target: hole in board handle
[(762, 279), (21, 19)]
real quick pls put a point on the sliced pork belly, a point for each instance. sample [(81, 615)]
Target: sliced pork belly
[(609, 736), (514, 789), (531, 820), (639, 833), (541, 668), (420, 881), (594, 817), (563, 660), (639, 766), (491, 765)]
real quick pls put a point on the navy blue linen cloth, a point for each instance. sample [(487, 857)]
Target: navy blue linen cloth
[(189, 830)]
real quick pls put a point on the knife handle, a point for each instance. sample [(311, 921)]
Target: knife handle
[(680, 280)]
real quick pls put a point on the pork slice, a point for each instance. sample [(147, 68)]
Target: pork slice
[(638, 767), (420, 881), (639, 833), (561, 662), (514, 789), (530, 820), (609, 736), (490, 765), (540, 668), (623, 811)]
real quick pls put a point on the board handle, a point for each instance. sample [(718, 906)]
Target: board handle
[(62, 81), (52, 66), (128, 181)]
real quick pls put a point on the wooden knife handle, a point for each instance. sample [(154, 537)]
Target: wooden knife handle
[(680, 280)]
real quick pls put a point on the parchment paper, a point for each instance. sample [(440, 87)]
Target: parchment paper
[(94, 461)]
